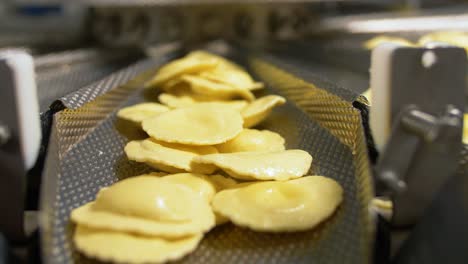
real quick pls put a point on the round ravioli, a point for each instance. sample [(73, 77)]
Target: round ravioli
[(259, 109), (261, 165), (220, 182), (158, 174), (289, 206), (175, 68), (227, 72), (253, 140), (139, 112), (376, 41), (198, 183), (218, 90), (206, 186), (201, 54), (456, 38), (236, 78), (147, 205), (119, 247), (169, 157), (180, 101), (195, 125)]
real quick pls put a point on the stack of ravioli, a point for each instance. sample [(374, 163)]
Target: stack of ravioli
[(213, 168)]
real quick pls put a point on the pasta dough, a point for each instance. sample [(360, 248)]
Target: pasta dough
[(180, 101), (214, 89), (258, 110), (106, 245), (278, 165), (167, 157), (253, 140), (196, 125), (175, 68), (147, 205), (139, 112), (294, 205)]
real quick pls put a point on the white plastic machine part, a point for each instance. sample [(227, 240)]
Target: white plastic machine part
[(380, 112), (27, 108)]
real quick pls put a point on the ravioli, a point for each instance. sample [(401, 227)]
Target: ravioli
[(236, 78), (220, 182), (456, 38), (169, 157), (201, 54), (198, 183), (206, 186), (295, 205), (158, 174), (258, 110), (147, 205), (180, 101), (175, 84), (218, 90), (175, 68), (139, 112), (106, 245), (376, 41), (253, 140), (195, 125), (261, 165)]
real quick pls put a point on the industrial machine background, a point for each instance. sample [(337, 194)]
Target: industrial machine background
[(77, 45)]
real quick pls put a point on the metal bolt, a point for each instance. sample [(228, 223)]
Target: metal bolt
[(453, 111), (421, 124), (391, 179)]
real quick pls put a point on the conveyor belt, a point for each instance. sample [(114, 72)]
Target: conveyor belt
[(85, 154)]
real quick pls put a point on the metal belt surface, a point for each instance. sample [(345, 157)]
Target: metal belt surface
[(86, 154)]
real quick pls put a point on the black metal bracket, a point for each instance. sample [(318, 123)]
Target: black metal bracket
[(424, 99)]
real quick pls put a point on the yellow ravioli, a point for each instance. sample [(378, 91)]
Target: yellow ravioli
[(198, 183), (175, 85), (180, 101), (253, 140), (294, 205), (456, 38), (158, 174), (220, 182), (139, 112), (204, 55), (257, 86), (222, 72), (218, 90), (119, 247), (376, 41), (147, 205), (175, 68), (259, 109), (168, 157), (264, 165), (195, 125), (236, 78), (205, 186)]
